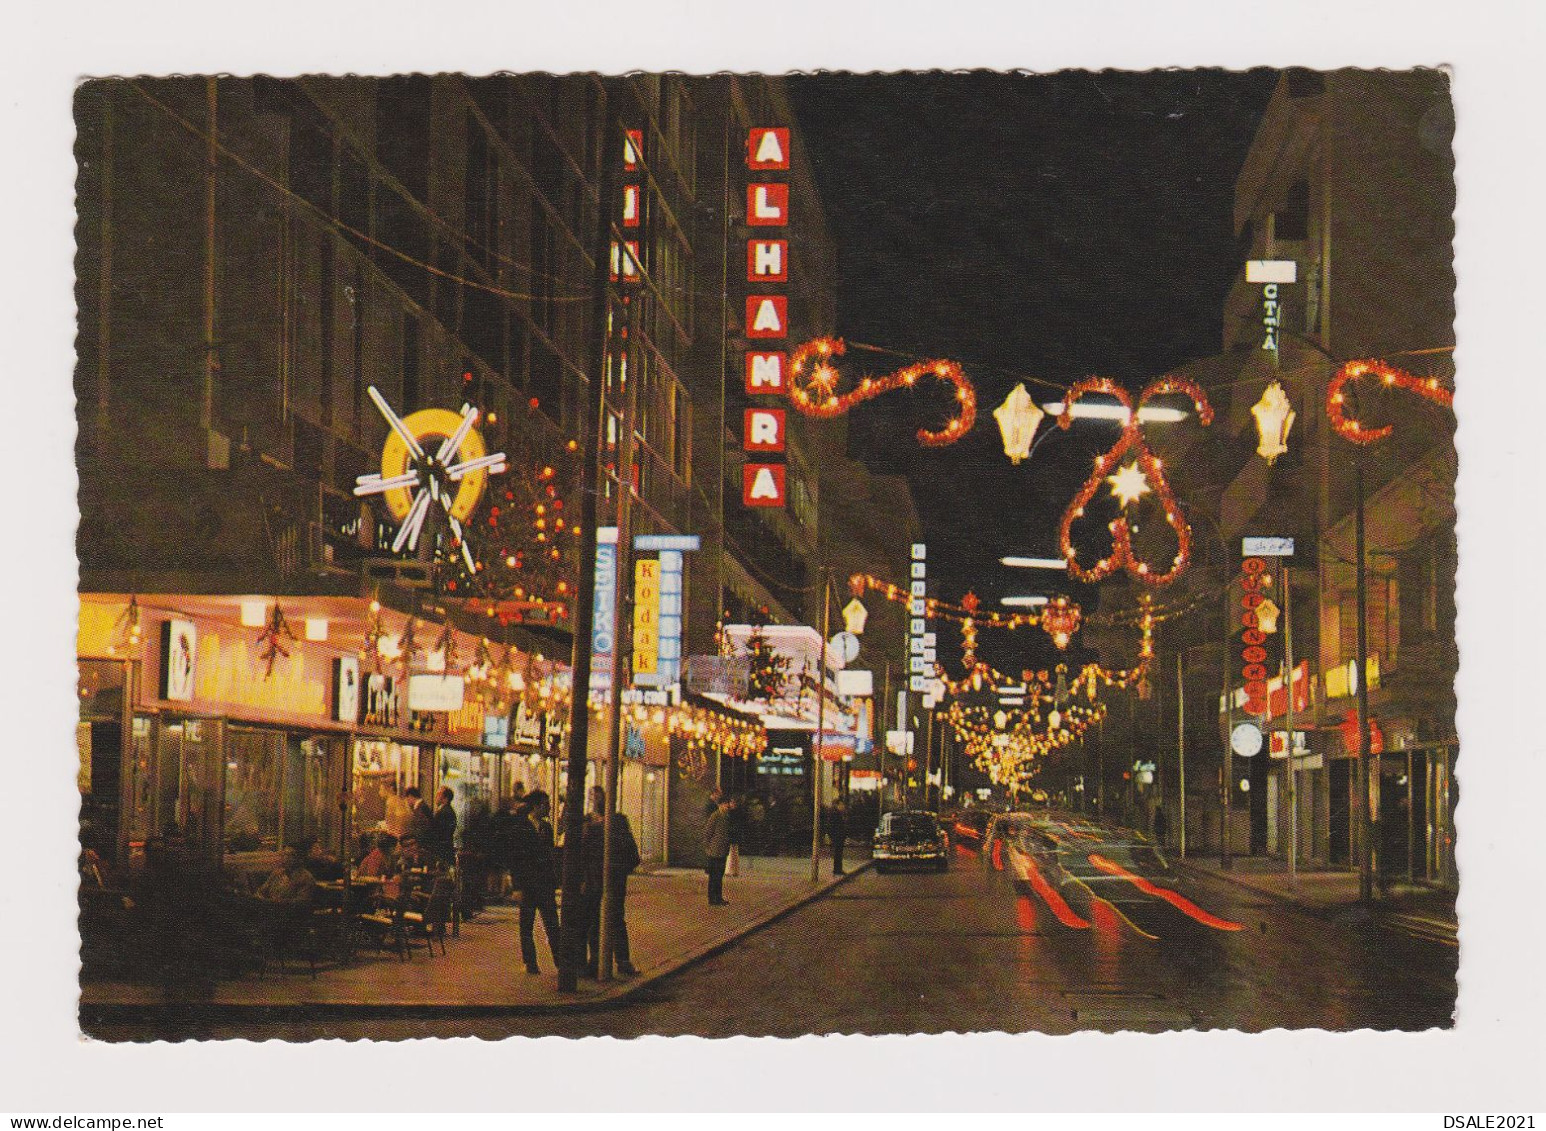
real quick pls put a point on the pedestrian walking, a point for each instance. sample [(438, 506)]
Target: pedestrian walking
[(716, 849), (838, 834), (536, 876), (625, 858)]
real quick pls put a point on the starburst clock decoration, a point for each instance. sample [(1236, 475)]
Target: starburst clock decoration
[(413, 480), (1130, 482)]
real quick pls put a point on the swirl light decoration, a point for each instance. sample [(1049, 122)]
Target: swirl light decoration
[(1145, 473), (813, 382), (1350, 429)]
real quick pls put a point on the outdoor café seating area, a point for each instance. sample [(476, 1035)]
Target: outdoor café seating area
[(174, 921)]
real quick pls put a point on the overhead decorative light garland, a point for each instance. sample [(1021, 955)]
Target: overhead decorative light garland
[(1061, 619), (1351, 430), (813, 380), (1133, 480)]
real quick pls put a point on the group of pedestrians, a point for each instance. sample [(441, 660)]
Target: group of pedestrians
[(720, 840), (523, 841)]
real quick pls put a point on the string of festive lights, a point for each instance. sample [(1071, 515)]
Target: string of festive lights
[(813, 380), (1129, 482), (1336, 397)]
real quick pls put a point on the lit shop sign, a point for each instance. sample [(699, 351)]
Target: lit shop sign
[(920, 641), (431, 692), (381, 706), (346, 689), (1253, 639), (179, 654), (766, 314), (646, 617), (657, 610), (1271, 273), (781, 761), (603, 635)]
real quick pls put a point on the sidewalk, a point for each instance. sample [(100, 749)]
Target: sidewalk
[(670, 926), (1415, 908)]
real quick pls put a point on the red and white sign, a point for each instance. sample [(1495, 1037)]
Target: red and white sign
[(633, 149), (625, 261), (765, 373), (764, 430), (767, 148), (631, 209), (767, 316), (762, 484), (767, 261), (767, 205)]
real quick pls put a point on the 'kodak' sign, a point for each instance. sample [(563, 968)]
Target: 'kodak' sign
[(766, 325)]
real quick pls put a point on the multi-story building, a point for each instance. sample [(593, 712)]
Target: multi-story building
[(1349, 178), (254, 257)]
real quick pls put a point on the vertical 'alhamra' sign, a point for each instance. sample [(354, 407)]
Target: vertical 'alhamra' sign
[(766, 327)]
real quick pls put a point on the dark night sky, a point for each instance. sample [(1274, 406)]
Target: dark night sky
[(1050, 226)]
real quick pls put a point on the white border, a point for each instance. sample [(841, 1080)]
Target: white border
[(1491, 1063)]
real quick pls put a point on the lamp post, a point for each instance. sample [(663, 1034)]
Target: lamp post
[(593, 441), (821, 725)]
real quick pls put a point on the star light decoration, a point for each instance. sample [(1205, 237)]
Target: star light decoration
[(813, 380), (1351, 430), (414, 480), (1130, 482)]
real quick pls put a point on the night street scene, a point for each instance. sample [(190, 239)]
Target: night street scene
[(835, 553)]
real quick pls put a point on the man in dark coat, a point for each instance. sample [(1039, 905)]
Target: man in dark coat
[(443, 827), (421, 818), (716, 849), (533, 872), (625, 858), (839, 834)]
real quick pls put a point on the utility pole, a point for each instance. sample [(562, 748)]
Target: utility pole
[(1288, 721), (1368, 777), (1226, 861), (1181, 750), (821, 726), (594, 438), (622, 625)]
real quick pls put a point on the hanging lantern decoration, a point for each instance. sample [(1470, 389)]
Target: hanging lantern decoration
[(969, 632), (1274, 418), (1267, 615), (813, 380), (1018, 419), (271, 640), (1130, 483), (1351, 430), (854, 617), (127, 627), (1061, 619)]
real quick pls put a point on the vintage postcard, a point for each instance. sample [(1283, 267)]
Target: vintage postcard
[(757, 555)]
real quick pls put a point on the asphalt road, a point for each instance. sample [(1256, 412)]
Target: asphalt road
[(978, 949)]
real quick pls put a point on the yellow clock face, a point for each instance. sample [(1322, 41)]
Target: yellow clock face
[(429, 427)]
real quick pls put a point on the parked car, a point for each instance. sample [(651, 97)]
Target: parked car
[(910, 836)]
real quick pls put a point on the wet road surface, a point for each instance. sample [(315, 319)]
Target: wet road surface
[(998, 945)]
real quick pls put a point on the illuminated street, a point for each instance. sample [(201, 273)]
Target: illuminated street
[(977, 950)]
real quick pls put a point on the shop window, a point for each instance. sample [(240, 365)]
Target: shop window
[(252, 790)]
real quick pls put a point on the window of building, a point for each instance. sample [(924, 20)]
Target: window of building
[(410, 364), (1292, 220)]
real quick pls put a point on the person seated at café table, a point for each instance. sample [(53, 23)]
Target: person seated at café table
[(377, 862), (321, 863), (290, 882)]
